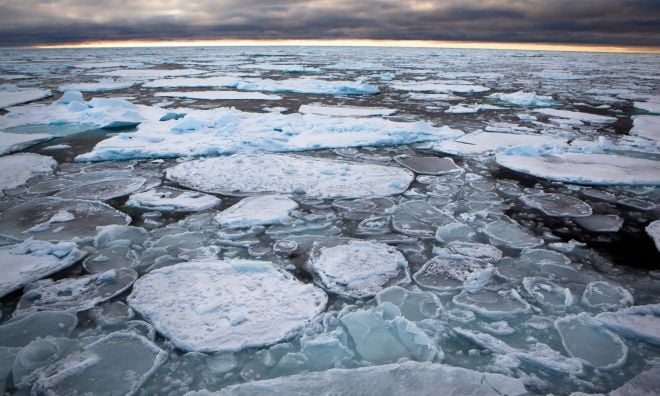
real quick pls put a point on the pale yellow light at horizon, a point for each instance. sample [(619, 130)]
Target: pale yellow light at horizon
[(357, 43)]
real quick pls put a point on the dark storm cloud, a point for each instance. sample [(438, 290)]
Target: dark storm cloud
[(635, 22)]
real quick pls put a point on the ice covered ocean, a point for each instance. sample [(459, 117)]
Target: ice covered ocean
[(293, 220)]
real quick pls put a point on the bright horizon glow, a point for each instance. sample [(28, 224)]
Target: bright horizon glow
[(357, 43)]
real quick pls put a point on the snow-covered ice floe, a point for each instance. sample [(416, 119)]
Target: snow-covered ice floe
[(393, 379), (448, 87), (11, 142), (558, 205), (97, 86), (577, 116), (653, 230), (522, 98), (11, 95), (479, 143), (647, 127), (29, 261), (16, 169), (227, 131), (169, 199), (584, 168), (640, 322), (218, 95), (355, 268), (289, 174), (259, 210), (213, 306), (345, 111)]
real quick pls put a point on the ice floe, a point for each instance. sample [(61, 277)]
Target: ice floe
[(218, 95), (148, 73), (41, 324), (647, 127), (439, 87), (414, 305), (522, 98), (11, 142), (11, 95), (55, 219), (103, 190), (653, 230), (396, 379), (547, 293), (259, 210), (356, 269), (29, 261), (643, 384), (577, 116), (585, 168), (641, 322), (600, 223), (16, 169), (505, 234), (450, 272), (558, 205), (345, 111), (428, 165), (214, 306), (97, 86), (478, 143), (471, 108), (287, 174), (170, 199), (495, 305), (606, 296)]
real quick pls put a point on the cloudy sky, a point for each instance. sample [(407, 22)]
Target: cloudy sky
[(632, 22)]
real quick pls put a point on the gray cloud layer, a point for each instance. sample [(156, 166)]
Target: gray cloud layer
[(634, 22)]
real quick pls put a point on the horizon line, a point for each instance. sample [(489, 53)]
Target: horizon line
[(447, 44)]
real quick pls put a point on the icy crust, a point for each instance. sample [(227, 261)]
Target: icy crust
[(295, 85), (16, 169), (170, 199), (653, 231), (121, 362), (11, 142), (345, 111), (647, 127), (29, 261), (538, 354), (260, 210), (287, 174), (355, 268), (522, 98), (641, 322), (479, 143), (393, 379), (75, 294), (216, 306), (218, 95), (227, 131), (56, 219), (579, 168), (584, 337), (577, 116), (11, 95), (557, 205)]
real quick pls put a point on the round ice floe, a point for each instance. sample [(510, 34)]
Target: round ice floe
[(29, 261), (548, 294), (594, 169), (418, 219), (501, 304), (640, 322), (22, 331), (510, 235), (214, 306), (479, 251), (289, 174), (55, 219), (260, 210), (606, 296), (104, 190), (414, 305), (169, 199), (428, 165), (585, 338), (446, 273), (653, 230), (558, 205), (601, 223), (356, 268), (16, 169), (75, 294)]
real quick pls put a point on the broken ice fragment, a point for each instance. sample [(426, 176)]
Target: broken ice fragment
[(497, 305), (11, 142), (547, 293), (558, 205), (259, 210), (606, 296), (16, 169), (601, 223), (103, 190), (641, 322), (510, 235), (653, 230), (428, 165), (447, 273), (170, 199), (414, 305), (23, 330)]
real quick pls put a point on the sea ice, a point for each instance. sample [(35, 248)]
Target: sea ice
[(557, 205), (98, 86), (645, 383), (471, 108), (103, 190), (547, 293), (23, 330), (259, 210), (641, 322), (601, 223), (55, 219), (584, 337), (522, 98), (480, 251), (418, 219), (495, 305), (447, 273), (422, 379), (216, 306), (652, 105), (16, 169), (148, 74), (502, 233), (428, 165), (287, 174), (592, 169), (170, 199), (479, 143), (355, 268), (577, 115), (345, 111), (414, 305), (647, 127), (218, 95), (11, 142), (119, 362), (653, 230), (384, 325), (11, 95), (448, 87), (29, 261), (606, 296)]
